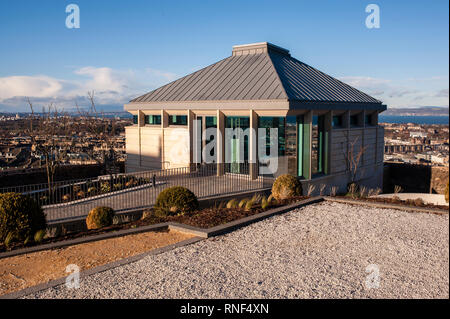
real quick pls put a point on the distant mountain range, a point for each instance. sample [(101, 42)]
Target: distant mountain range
[(419, 111)]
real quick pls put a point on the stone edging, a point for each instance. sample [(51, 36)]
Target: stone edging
[(436, 211)]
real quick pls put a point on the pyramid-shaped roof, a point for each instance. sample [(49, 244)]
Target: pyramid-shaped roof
[(260, 71)]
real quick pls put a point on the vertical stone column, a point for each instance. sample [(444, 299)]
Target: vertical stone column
[(253, 145), (141, 123), (328, 127), (220, 145), (164, 124), (307, 143), (191, 129)]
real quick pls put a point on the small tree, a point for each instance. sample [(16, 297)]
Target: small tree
[(42, 133), (353, 157), (105, 131)]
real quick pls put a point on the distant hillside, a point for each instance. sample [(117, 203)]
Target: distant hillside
[(420, 111)]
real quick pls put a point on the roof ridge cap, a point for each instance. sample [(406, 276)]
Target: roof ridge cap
[(278, 76)]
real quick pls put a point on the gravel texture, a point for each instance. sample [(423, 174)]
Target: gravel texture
[(319, 251)]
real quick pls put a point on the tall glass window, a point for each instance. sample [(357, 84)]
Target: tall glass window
[(317, 145), (208, 122), (135, 119), (287, 141), (234, 122)]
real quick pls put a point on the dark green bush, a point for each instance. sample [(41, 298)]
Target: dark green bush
[(286, 186), (175, 200), (100, 217), (20, 217)]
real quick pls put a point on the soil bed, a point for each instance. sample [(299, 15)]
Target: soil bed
[(27, 270)]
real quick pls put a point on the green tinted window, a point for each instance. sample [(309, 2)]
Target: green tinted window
[(177, 119), (153, 119)]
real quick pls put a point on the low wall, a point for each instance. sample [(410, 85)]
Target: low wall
[(62, 173), (414, 178), (370, 176)]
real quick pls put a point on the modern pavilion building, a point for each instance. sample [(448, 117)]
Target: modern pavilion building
[(322, 122)]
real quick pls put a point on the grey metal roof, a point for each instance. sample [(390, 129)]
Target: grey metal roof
[(258, 72)]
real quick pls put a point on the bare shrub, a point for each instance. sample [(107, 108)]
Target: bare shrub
[(363, 192), (333, 191), (353, 190), (398, 189), (311, 189), (322, 189)]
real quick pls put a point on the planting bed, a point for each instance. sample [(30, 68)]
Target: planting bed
[(204, 218), (27, 270)]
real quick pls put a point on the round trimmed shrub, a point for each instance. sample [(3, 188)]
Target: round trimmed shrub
[(175, 200), (20, 217), (100, 217), (286, 186)]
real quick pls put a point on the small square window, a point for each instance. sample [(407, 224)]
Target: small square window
[(153, 119), (178, 120), (354, 120), (337, 121)]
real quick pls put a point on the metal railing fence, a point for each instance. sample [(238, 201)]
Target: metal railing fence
[(75, 198)]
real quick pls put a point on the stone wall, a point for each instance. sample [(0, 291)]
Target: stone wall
[(415, 178), (62, 173)]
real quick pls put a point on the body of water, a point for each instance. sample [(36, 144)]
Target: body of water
[(413, 119)]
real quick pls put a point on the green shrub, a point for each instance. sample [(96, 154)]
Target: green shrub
[(100, 217), (352, 190), (446, 193), (39, 236), (243, 202), (105, 187), (286, 186), (249, 204), (264, 203), (20, 217), (232, 203), (175, 200), (9, 239)]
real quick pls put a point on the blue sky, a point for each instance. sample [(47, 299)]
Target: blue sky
[(125, 48)]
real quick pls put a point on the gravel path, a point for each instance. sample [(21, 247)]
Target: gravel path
[(319, 251)]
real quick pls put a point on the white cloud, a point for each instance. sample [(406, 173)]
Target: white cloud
[(38, 86), (112, 87), (399, 94)]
